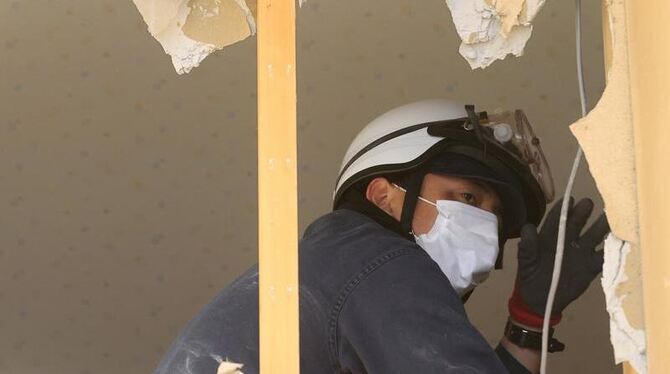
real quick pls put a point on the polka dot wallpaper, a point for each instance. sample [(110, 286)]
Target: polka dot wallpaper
[(128, 193)]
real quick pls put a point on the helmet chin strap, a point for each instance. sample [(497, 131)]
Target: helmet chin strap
[(501, 252), (413, 189)]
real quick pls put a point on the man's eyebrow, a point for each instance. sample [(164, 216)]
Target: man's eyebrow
[(483, 185), (489, 189)]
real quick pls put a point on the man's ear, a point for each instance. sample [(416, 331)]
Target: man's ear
[(380, 192)]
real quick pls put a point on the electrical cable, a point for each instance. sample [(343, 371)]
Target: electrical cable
[(560, 242)]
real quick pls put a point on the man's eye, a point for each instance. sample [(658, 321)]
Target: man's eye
[(469, 198)]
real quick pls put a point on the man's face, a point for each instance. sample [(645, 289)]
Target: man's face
[(435, 187)]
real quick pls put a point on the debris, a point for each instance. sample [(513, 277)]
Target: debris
[(190, 30), (628, 342), (229, 368), (492, 29)]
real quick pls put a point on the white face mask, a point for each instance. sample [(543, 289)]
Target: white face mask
[(463, 242)]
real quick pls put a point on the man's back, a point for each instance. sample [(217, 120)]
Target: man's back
[(370, 301)]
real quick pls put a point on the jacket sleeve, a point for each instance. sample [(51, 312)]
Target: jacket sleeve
[(401, 315), (512, 365)]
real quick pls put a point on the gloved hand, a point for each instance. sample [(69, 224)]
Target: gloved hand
[(581, 263)]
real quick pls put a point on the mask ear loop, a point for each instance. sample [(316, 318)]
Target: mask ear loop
[(412, 191)]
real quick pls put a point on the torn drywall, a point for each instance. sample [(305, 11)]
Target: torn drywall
[(190, 30), (606, 136), (229, 368), (628, 341), (492, 29)]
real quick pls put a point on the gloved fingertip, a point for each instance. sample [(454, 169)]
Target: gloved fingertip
[(601, 228), (581, 213), (528, 233), (597, 261), (603, 222), (584, 205), (587, 201), (596, 233), (528, 228), (571, 206), (528, 245)]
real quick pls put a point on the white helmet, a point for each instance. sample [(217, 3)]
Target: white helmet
[(405, 138)]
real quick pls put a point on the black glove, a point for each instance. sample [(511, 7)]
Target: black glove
[(581, 262)]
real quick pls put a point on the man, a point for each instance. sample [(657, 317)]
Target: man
[(427, 195)]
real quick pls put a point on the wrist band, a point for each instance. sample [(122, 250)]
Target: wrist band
[(522, 313), (525, 338)]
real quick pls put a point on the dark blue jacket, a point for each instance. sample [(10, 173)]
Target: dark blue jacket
[(371, 301)]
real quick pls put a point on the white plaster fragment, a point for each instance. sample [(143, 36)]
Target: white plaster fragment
[(226, 367), (165, 20), (629, 343), (492, 29)]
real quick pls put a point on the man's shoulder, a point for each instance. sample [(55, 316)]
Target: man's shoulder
[(341, 245), (348, 232), (337, 221)]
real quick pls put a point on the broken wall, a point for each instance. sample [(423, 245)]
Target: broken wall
[(631, 119), (130, 191), (610, 127)]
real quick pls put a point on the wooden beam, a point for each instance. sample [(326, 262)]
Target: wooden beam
[(277, 188), (650, 91), (607, 57)]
